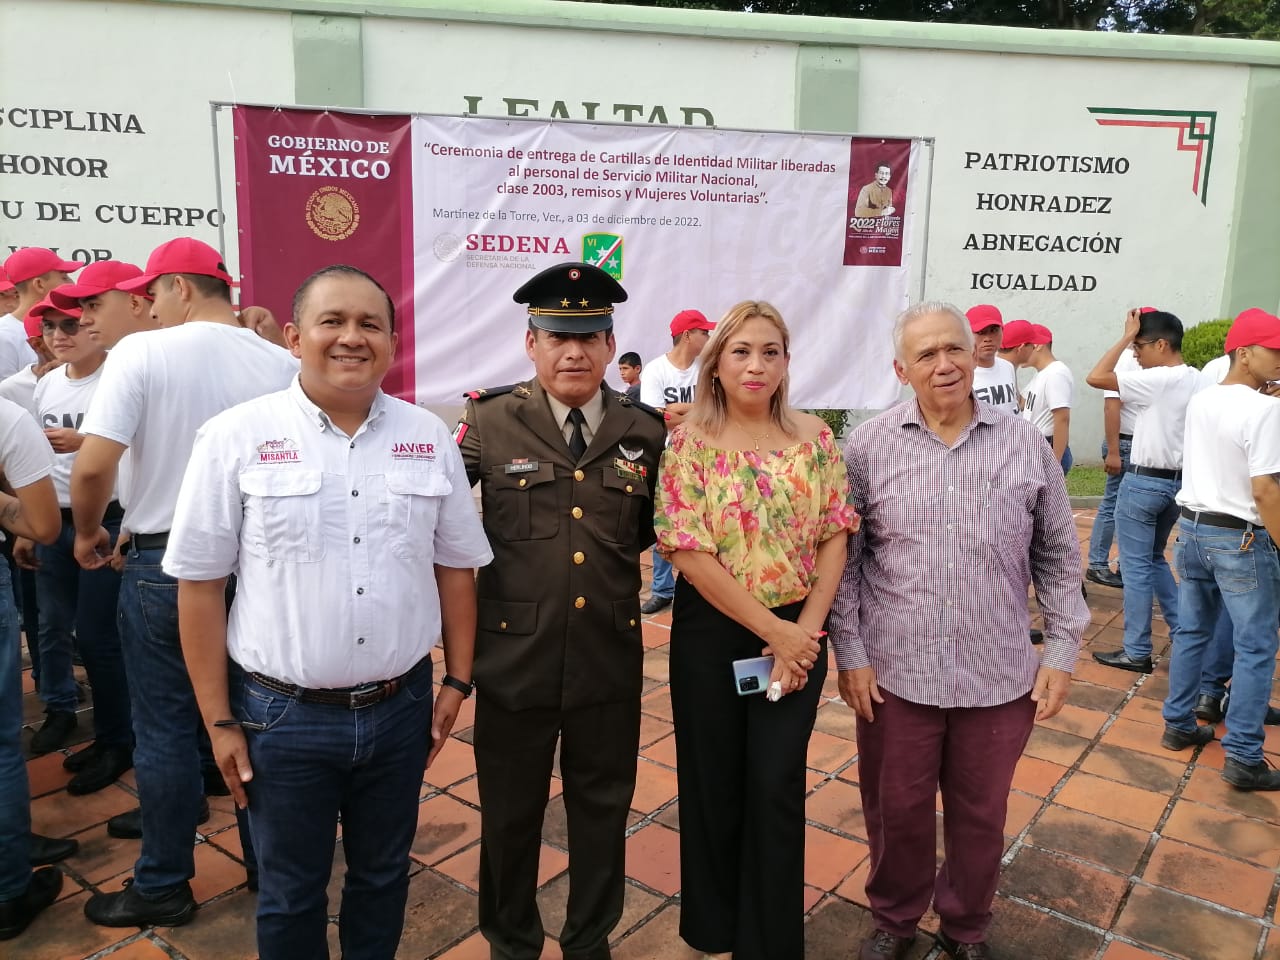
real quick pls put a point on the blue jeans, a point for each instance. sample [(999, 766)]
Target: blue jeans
[(1220, 657), (15, 794), (1145, 515), (664, 577), (78, 608), (1104, 524), (165, 720), (312, 762), (1221, 567)]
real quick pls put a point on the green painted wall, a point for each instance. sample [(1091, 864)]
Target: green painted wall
[(328, 60), (1253, 265), (827, 89)]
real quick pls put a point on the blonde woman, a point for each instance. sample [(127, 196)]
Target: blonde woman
[(753, 511)]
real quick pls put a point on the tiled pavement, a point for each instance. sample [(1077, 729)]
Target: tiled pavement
[(1117, 849)]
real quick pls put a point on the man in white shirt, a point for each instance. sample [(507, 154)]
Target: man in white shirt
[(34, 271), (157, 389), (1226, 554), (30, 511), (669, 384), (1049, 394), (77, 607), (1117, 428), (107, 313), (334, 504), (995, 380), (1145, 509)]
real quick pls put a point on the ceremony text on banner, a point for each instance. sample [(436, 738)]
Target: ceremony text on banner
[(683, 217)]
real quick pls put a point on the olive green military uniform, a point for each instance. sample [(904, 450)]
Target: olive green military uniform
[(558, 653)]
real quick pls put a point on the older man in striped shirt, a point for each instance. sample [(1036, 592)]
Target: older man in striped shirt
[(962, 509)]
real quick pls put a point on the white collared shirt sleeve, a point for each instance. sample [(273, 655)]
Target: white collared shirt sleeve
[(204, 543), (459, 536)]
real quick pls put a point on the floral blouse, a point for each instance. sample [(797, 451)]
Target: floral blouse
[(761, 514)]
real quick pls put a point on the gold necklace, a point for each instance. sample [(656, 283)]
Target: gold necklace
[(756, 437)]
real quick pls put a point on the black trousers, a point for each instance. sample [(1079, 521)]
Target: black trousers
[(741, 773), (514, 754)]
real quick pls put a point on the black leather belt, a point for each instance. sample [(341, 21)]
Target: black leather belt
[(150, 541), (1217, 519), (365, 695), (1126, 436), (1158, 472), (113, 514)]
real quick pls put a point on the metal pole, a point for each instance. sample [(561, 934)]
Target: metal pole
[(928, 197), (214, 110)]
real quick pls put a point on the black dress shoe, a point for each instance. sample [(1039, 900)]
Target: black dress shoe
[(1122, 661), (16, 914), (75, 762), (654, 604), (128, 908), (1175, 739), (128, 825), (1208, 708), (1244, 776), (46, 850), (1271, 719), (54, 733), (1104, 576), (102, 770), (882, 945), (963, 951)]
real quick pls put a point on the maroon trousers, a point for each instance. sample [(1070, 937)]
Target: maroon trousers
[(909, 752)]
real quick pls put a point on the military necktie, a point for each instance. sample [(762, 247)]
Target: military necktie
[(577, 442)]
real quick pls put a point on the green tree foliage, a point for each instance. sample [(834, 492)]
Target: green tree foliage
[(1204, 341), (1259, 19)]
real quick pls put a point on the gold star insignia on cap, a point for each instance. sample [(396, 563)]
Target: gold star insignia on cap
[(564, 302), (583, 303)]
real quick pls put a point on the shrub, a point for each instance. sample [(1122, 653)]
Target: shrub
[(1204, 341), (836, 419)]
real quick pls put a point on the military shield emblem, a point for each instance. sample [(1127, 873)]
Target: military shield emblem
[(603, 250)]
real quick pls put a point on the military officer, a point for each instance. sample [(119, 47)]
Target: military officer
[(566, 467)]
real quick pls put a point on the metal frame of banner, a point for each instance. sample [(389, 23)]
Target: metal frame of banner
[(216, 107)]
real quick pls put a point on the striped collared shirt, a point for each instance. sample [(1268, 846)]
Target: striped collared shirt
[(934, 594)]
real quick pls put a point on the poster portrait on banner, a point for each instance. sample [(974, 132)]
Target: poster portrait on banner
[(682, 217), (879, 178)]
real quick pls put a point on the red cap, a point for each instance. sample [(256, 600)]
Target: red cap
[(34, 320), (183, 255), (1016, 334), (1040, 334), (5, 283), (1254, 328), (32, 262), (689, 320), (1147, 310), (982, 316), (97, 278)]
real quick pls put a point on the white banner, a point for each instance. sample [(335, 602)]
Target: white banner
[(684, 218)]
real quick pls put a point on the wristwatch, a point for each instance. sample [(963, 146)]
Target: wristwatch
[(464, 687)]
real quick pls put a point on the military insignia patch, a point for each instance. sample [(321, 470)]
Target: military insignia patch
[(604, 250)]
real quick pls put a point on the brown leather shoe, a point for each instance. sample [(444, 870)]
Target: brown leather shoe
[(963, 951), (884, 946)]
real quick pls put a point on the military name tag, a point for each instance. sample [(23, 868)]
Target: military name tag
[(522, 466), (629, 470)]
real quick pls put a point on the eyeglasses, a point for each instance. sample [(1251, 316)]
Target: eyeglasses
[(1144, 343), (68, 325)]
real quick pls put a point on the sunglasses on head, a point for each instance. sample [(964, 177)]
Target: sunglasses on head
[(68, 325)]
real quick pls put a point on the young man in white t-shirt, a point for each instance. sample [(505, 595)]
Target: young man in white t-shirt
[(1145, 509), (157, 389), (77, 607), (1049, 394), (995, 380), (669, 384), (1230, 507)]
